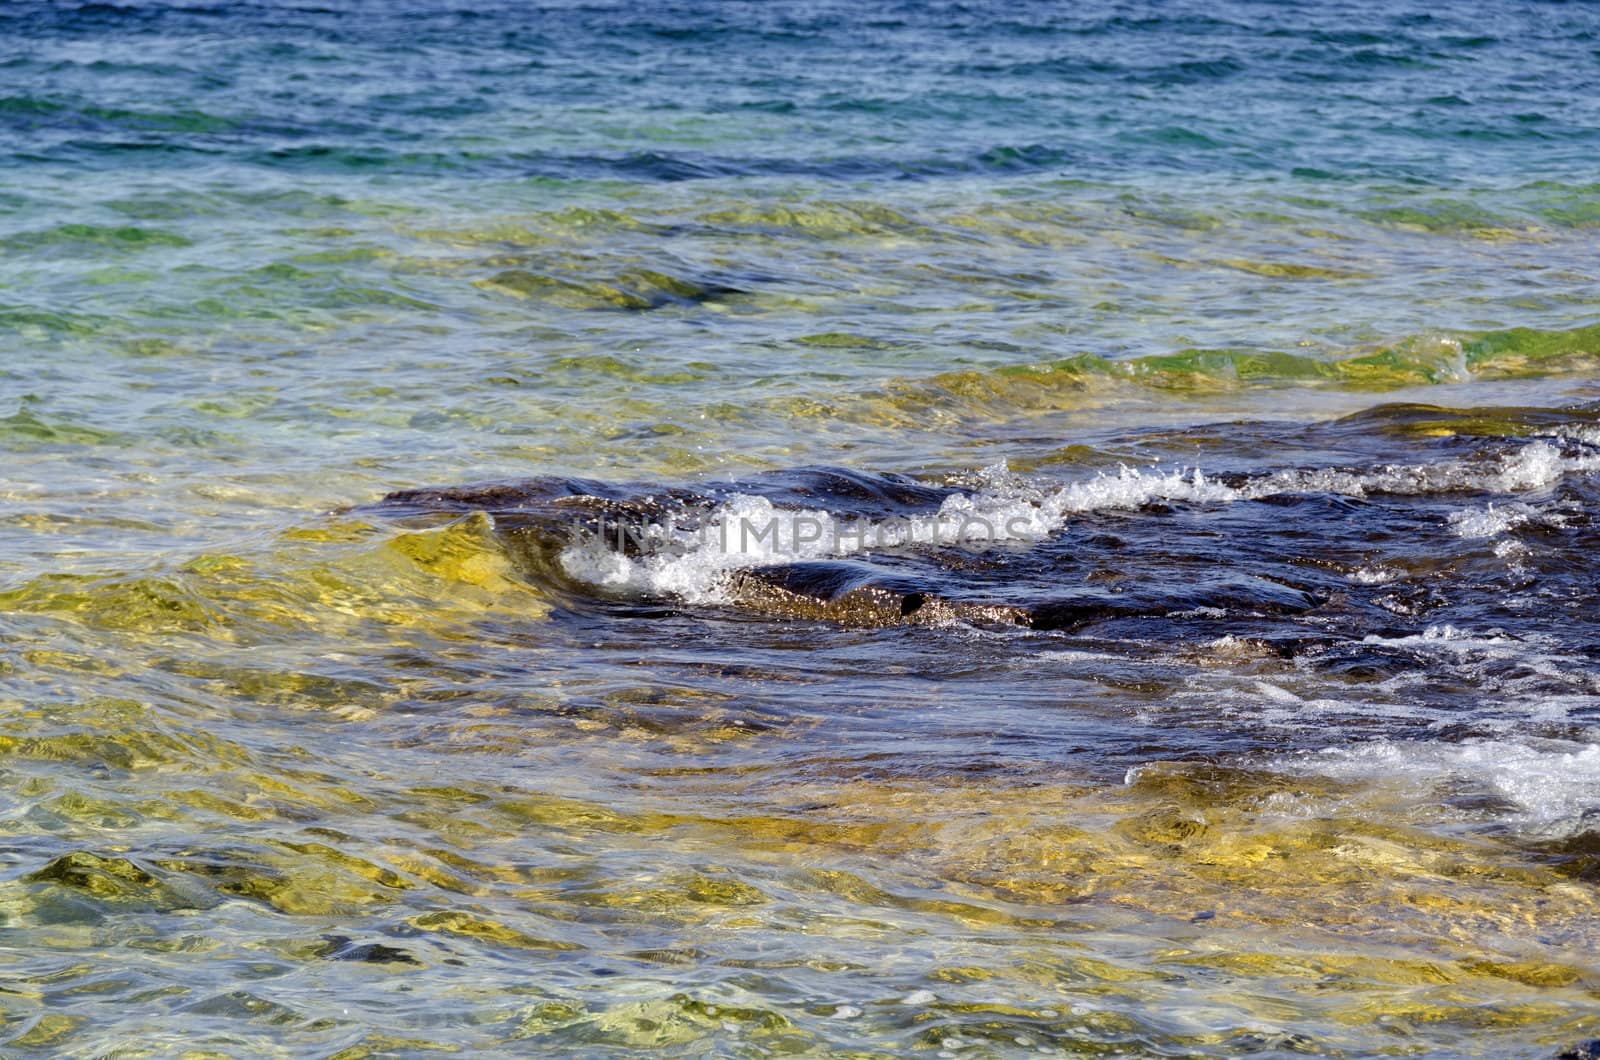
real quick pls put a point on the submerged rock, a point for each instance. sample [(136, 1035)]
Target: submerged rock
[(853, 594), (831, 553)]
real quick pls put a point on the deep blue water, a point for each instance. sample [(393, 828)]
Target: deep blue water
[(1316, 93)]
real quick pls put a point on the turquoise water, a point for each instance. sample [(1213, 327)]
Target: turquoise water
[(1262, 337)]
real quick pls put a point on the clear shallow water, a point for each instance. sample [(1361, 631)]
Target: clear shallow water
[(1295, 757)]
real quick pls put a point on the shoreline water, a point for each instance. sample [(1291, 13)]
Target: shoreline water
[(374, 380)]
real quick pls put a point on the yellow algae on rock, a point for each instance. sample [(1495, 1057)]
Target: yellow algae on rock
[(48, 1031), (456, 922), (464, 552)]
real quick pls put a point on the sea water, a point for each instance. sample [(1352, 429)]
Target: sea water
[(1170, 436)]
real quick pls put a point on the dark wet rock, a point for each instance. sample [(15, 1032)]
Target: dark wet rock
[(1299, 647), (853, 594), (1282, 568), (1217, 598), (1368, 662), (862, 594), (921, 584), (243, 1006), (1245, 592), (1077, 613), (341, 948), (1589, 1050), (545, 494), (1575, 855), (1413, 601), (861, 494), (637, 289)]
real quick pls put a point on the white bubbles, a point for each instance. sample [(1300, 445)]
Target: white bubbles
[(1132, 488), (1492, 520), (692, 561), (1544, 786), (1444, 637)]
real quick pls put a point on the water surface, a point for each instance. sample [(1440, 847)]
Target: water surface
[(377, 385)]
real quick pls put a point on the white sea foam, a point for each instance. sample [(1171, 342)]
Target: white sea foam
[(1548, 786), (747, 531), (693, 562), (1583, 434), (1492, 520), (1529, 467), (1447, 638)]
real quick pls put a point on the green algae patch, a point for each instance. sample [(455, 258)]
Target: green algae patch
[(1224, 369), (689, 898), (366, 870), (350, 296), (574, 295), (93, 237), (1534, 973), (147, 603), (294, 883), (1182, 841), (26, 429), (997, 394), (633, 289), (541, 229), (1112, 903), (465, 554), (1522, 352), (31, 322), (1446, 217), (125, 750), (1028, 224), (835, 340), (577, 816)]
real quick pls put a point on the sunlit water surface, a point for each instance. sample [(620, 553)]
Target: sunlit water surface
[(1266, 720)]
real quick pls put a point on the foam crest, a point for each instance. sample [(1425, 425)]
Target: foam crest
[(1006, 496), (1492, 520), (1529, 467), (1543, 786), (1131, 488), (692, 561), (1443, 638)]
